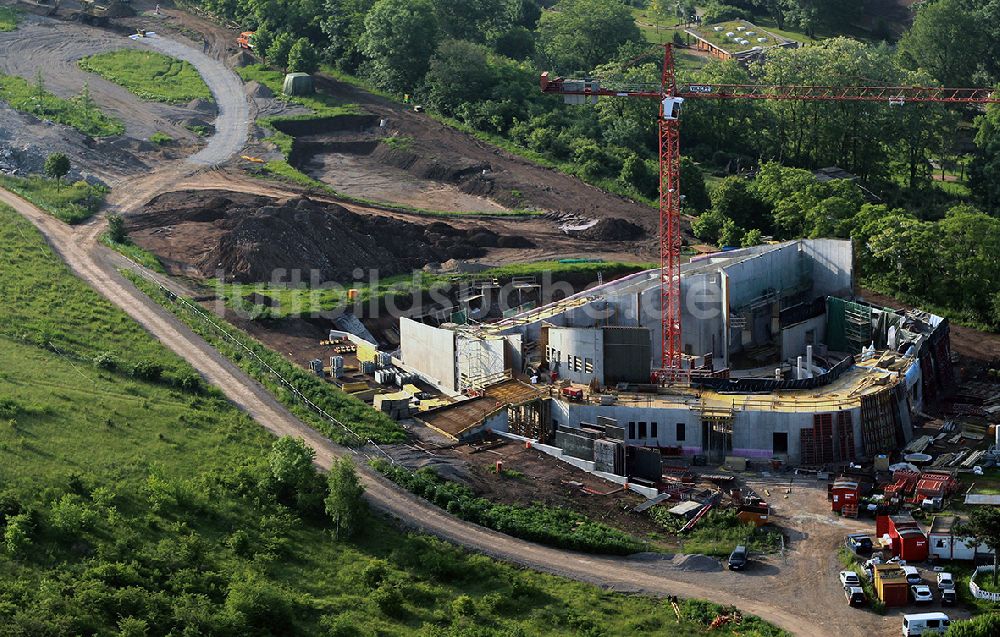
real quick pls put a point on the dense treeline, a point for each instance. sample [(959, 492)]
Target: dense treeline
[(477, 61)]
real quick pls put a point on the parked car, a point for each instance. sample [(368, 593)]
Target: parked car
[(912, 575), (855, 596), (948, 597), (945, 580), (925, 624), (859, 544), (738, 558), (849, 578), (921, 594)]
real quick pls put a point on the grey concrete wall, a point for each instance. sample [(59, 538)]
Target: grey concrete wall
[(779, 269), (793, 337), (429, 350), (666, 419), (752, 430), (832, 266), (582, 342)]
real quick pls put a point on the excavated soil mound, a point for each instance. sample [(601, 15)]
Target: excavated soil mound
[(250, 237), (243, 58), (696, 563), (613, 229), (256, 89)]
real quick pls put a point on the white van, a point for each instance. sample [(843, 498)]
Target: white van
[(925, 624)]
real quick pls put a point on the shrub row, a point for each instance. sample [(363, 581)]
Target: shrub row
[(553, 526)]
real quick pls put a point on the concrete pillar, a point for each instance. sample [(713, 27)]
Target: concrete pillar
[(798, 368)]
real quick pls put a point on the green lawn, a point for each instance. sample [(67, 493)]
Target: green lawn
[(151, 76), (304, 300), (9, 17), (322, 105), (30, 97), (45, 306), (136, 507), (719, 38)]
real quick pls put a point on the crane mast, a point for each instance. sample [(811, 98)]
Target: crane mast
[(671, 96)]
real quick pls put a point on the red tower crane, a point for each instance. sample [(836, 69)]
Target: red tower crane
[(671, 96)]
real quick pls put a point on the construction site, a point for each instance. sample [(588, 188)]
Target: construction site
[(666, 385)]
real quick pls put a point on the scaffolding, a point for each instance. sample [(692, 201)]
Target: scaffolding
[(857, 326)]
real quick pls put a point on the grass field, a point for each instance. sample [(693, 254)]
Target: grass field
[(149, 75), (26, 96), (9, 17), (132, 507), (73, 203), (47, 307)]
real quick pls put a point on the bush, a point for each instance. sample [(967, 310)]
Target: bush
[(538, 523), (160, 138), (389, 600), (106, 360)]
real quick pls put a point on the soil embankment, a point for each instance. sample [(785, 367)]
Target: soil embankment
[(250, 237)]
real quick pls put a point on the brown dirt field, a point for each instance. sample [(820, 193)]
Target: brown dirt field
[(539, 187), (545, 481)]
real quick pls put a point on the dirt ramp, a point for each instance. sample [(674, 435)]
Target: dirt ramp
[(251, 238)]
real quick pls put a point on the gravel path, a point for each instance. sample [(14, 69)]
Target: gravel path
[(233, 121)]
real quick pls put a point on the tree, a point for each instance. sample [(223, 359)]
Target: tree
[(734, 199), (581, 34), (263, 38), (947, 40), (636, 173), (343, 24), (399, 39), (57, 167), (291, 462), (279, 50), (459, 72), (116, 229), (708, 226), (984, 171), (752, 238), (693, 187), (731, 234), (302, 57), (984, 527), (474, 20), (17, 534), (344, 502)]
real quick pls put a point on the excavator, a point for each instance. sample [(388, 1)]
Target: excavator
[(245, 41)]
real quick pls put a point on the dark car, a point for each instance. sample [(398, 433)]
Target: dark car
[(855, 595), (738, 558), (948, 597), (859, 544)]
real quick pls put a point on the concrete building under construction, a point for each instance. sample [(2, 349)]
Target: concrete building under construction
[(781, 363)]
